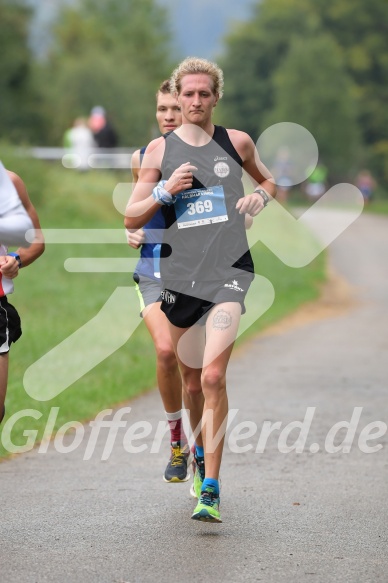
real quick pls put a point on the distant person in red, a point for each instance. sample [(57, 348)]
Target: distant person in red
[(104, 133)]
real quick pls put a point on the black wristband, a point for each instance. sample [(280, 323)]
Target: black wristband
[(263, 194)]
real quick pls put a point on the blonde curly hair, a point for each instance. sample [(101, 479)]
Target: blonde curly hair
[(196, 66)]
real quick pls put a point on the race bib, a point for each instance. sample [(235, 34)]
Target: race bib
[(201, 206)]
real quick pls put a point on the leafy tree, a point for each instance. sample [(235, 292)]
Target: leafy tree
[(256, 50), (18, 119), (313, 90), (113, 54), (361, 29)]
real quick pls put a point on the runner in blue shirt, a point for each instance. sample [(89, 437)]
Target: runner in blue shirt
[(148, 284)]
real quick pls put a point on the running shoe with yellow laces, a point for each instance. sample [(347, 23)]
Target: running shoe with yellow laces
[(176, 470), (208, 507)]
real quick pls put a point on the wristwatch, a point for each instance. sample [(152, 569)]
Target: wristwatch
[(263, 194), (17, 257)]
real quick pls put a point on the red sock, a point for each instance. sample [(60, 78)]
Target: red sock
[(177, 432)]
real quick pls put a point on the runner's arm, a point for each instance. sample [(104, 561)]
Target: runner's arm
[(141, 206), (13, 228), (28, 256), (136, 237), (135, 166), (260, 176)]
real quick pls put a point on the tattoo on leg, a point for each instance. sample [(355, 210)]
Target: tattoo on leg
[(222, 320)]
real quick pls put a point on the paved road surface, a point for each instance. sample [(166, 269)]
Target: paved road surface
[(288, 517)]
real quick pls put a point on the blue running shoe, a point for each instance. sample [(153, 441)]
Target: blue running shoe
[(176, 470)]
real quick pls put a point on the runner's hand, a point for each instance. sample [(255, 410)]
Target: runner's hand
[(9, 266), (251, 204), (181, 179), (135, 238)]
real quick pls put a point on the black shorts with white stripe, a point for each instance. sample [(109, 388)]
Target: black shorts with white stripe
[(10, 326)]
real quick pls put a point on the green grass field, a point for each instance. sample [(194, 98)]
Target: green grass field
[(54, 303), (378, 206)]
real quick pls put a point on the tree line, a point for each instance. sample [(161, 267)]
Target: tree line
[(322, 64), (110, 53)]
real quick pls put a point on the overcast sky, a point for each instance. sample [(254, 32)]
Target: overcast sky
[(197, 28)]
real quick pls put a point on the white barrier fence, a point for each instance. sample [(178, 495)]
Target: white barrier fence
[(97, 158)]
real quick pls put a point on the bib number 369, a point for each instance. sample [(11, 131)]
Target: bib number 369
[(199, 207)]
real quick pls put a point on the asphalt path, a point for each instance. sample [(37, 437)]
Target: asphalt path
[(315, 516)]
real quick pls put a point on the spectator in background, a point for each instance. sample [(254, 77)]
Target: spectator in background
[(283, 173), (80, 141), (104, 133), (316, 182), (366, 183)]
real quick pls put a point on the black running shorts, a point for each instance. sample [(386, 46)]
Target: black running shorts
[(186, 309), (10, 327)]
